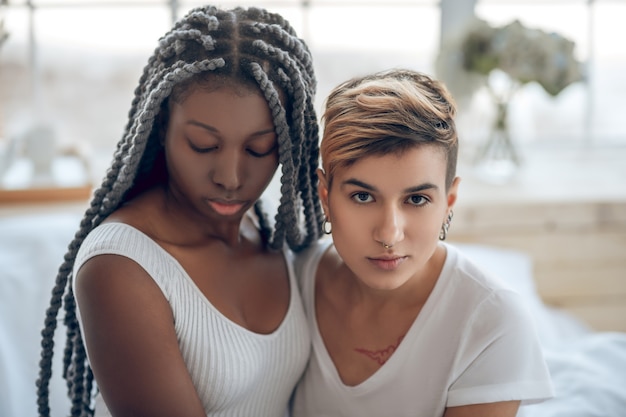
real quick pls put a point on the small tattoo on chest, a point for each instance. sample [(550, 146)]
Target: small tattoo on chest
[(380, 356)]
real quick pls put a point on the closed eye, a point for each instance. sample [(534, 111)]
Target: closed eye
[(261, 154), (199, 149)]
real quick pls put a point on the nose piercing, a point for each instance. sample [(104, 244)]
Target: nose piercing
[(386, 246)]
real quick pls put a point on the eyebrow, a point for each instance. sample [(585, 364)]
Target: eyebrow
[(214, 130), (410, 190)]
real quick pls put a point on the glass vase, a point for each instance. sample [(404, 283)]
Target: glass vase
[(497, 159)]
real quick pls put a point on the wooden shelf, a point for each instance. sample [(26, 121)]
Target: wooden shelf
[(44, 195), (567, 211)]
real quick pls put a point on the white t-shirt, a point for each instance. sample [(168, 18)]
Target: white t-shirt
[(473, 342)]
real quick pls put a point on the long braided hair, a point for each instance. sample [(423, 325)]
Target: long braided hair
[(209, 45)]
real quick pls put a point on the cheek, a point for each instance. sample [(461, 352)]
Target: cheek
[(183, 164), (347, 220), (355, 224), (425, 226), (187, 169), (263, 171), (427, 229), (351, 232)]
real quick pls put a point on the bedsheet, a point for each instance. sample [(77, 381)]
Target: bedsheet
[(31, 249), (589, 376), (588, 368)]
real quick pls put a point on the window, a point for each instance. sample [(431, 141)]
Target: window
[(587, 112), (79, 71)]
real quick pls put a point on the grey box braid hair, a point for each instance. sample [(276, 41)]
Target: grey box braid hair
[(250, 46)]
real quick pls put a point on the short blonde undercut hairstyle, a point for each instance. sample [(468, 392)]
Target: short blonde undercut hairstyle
[(387, 112)]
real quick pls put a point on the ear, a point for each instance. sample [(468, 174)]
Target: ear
[(322, 190), (453, 192)]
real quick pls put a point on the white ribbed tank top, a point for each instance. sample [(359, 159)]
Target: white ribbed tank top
[(236, 372)]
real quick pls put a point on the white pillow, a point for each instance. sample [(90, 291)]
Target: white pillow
[(31, 251)]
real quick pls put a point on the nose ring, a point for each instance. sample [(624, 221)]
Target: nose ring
[(386, 246)]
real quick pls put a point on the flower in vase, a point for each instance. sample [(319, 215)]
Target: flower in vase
[(502, 59), (524, 54)]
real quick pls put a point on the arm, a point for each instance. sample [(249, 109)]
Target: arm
[(499, 409), (501, 356), (132, 345)]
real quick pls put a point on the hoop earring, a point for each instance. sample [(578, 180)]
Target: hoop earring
[(327, 227), (443, 233)]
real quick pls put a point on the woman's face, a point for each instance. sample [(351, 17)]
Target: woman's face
[(221, 150), (400, 200)]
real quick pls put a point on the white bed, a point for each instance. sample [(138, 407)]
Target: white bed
[(588, 368)]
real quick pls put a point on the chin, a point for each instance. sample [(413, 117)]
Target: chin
[(384, 283)]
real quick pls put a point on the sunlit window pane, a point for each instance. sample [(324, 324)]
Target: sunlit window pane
[(104, 44), (608, 69)]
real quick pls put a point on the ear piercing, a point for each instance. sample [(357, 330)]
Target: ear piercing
[(443, 233), (327, 227)]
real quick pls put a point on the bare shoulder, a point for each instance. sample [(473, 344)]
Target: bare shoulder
[(111, 276), (112, 291), (128, 328), (138, 211)]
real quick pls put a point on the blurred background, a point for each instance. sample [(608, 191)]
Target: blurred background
[(69, 67), (72, 65), (541, 90), (556, 190)]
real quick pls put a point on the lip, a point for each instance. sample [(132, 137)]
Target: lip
[(226, 208), (387, 263)]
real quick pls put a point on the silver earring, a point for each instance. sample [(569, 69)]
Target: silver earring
[(443, 233), (327, 227)]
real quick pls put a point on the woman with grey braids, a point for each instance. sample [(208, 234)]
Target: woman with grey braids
[(178, 291)]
